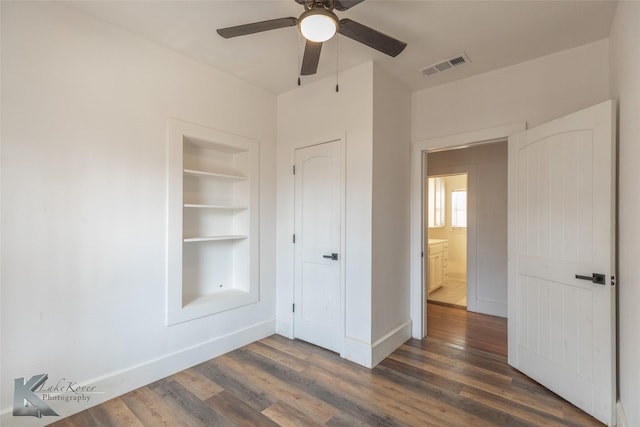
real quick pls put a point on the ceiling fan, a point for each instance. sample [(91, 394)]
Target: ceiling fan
[(318, 23)]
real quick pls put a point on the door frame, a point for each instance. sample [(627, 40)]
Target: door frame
[(342, 309), (418, 306)]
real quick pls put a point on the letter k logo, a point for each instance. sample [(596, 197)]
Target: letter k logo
[(26, 402)]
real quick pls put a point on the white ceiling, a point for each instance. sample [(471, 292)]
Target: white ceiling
[(493, 34)]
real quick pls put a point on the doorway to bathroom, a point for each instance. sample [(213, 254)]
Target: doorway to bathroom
[(447, 239)]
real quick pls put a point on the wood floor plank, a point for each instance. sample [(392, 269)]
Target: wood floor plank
[(117, 414), (345, 420), (468, 329), (240, 386), (474, 377), (417, 378), (449, 349), (281, 390), (427, 399), (80, 419), (374, 391), (238, 412), (347, 403), (197, 383), (188, 408), (454, 379), (510, 407), (456, 365), (150, 408), (498, 390), (425, 407), (278, 342), (288, 416), (456, 409), (277, 356)]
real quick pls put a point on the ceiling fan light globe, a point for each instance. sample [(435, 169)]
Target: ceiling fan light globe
[(318, 26)]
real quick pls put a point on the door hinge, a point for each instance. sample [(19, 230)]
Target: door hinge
[(294, 169), (422, 254), (294, 239), (613, 280), (293, 308)]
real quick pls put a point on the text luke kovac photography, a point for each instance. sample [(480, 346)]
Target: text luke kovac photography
[(37, 396)]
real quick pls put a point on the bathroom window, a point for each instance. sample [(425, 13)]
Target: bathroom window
[(459, 208), (436, 205)]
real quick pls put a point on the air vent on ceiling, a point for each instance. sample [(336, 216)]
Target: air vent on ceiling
[(440, 66)]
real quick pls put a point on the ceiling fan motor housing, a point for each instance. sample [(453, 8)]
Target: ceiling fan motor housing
[(319, 4)]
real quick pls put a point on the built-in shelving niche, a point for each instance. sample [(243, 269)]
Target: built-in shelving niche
[(213, 221)]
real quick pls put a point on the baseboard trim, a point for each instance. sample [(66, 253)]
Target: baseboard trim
[(356, 351), (120, 382), (386, 345), (621, 418), (369, 355)]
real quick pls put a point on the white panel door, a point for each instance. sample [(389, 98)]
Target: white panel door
[(561, 225), (318, 258)]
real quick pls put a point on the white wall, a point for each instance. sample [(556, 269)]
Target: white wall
[(625, 86), (84, 113), (487, 185), (391, 203), (535, 91), (313, 114)]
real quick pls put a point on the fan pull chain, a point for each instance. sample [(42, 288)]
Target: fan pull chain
[(337, 56)]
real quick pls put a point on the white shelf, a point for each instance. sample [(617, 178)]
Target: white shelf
[(213, 235), (207, 145), (214, 296), (223, 207), (215, 175), (213, 238)]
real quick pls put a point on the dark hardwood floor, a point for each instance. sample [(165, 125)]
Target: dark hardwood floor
[(467, 329), (291, 383)]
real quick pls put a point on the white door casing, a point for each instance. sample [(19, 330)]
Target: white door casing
[(419, 173), (318, 253), (562, 224)]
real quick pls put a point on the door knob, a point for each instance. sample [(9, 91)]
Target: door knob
[(596, 278), (333, 256)]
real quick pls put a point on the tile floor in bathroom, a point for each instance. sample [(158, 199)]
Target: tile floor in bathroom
[(452, 292)]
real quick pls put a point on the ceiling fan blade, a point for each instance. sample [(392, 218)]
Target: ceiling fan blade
[(311, 58), (257, 27), (370, 37), (346, 4)]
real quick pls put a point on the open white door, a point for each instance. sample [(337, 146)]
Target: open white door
[(562, 226), (318, 258)]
